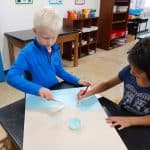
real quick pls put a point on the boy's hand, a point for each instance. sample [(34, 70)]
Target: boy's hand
[(45, 93), (85, 83), (121, 122)]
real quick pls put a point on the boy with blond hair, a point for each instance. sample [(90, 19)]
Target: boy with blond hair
[(41, 58)]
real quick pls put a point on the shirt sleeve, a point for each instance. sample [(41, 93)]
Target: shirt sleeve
[(123, 74), (63, 74), (15, 76)]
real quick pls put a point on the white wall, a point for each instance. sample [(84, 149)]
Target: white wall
[(145, 4), (19, 17), (146, 14)]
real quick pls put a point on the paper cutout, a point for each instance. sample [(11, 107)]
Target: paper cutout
[(67, 97), (75, 124), (89, 103), (36, 102)]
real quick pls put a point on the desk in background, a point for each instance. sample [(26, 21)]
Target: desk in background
[(134, 26), (21, 38)]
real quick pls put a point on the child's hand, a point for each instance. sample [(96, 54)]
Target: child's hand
[(85, 83), (45, 93), (81, 94), (121, 122)]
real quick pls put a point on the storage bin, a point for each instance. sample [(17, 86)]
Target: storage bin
[(2, 77)]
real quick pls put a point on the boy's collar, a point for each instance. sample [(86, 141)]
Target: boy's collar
[(40, 46)]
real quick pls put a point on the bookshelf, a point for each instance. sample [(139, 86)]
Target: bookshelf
[(113, 22), (88, 32)]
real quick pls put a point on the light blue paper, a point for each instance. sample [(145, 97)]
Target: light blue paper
[(36, 102), (67, 97), (89, 103), (74, 124)]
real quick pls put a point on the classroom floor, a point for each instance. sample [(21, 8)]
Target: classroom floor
[(95, 68)]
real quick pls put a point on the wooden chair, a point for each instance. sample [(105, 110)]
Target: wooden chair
[(5, 141)]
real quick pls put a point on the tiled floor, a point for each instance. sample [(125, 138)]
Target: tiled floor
[(95, 68)]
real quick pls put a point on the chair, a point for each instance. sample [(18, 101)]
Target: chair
[(133, 28), (2, 76), (28, 76)]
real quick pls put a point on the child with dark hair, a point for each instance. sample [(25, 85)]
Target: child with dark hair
[(136, 97)]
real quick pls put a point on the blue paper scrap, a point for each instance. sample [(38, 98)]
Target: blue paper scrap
[(74, 124)]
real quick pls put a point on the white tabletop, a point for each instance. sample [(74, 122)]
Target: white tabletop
[(46, 130)]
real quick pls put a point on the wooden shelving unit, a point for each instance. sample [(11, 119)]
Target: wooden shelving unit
[(113, 22), (87, 36)]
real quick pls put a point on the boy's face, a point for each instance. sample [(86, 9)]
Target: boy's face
[(45, 36)]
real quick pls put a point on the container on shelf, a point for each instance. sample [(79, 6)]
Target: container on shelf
[(117, 33), (87, 36)]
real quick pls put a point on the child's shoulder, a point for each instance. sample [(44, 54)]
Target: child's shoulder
[(29, 48), (126, 69), (124, 72), (55, 47)]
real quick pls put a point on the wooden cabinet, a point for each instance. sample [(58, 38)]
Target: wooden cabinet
[(113, 22), (88, 32)]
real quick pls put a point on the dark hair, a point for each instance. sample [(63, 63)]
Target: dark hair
[(139, 55)]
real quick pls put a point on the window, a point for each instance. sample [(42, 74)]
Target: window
[(137, 4), (147, 3)]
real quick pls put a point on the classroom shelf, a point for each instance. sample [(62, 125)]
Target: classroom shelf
[(88, 31), (113, 17)]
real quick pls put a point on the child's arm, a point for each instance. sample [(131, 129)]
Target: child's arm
[(68, 77), (142, 120), (100, 87), (63, 74), (124, 122), (15, 77)]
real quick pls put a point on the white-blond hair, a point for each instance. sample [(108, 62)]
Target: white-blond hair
[(47, 17)]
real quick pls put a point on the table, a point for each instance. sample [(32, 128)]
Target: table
[(3, 137), (135, 138), (143, 35), (134, 26), (21, 38), (44, 129), (12, 119)]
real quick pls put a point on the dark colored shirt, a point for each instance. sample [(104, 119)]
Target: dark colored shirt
[(135, 98)]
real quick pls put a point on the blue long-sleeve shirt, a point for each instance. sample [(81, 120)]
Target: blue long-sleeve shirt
[(44, 68)]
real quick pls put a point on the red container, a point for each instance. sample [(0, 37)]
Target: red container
[(117, 33)]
